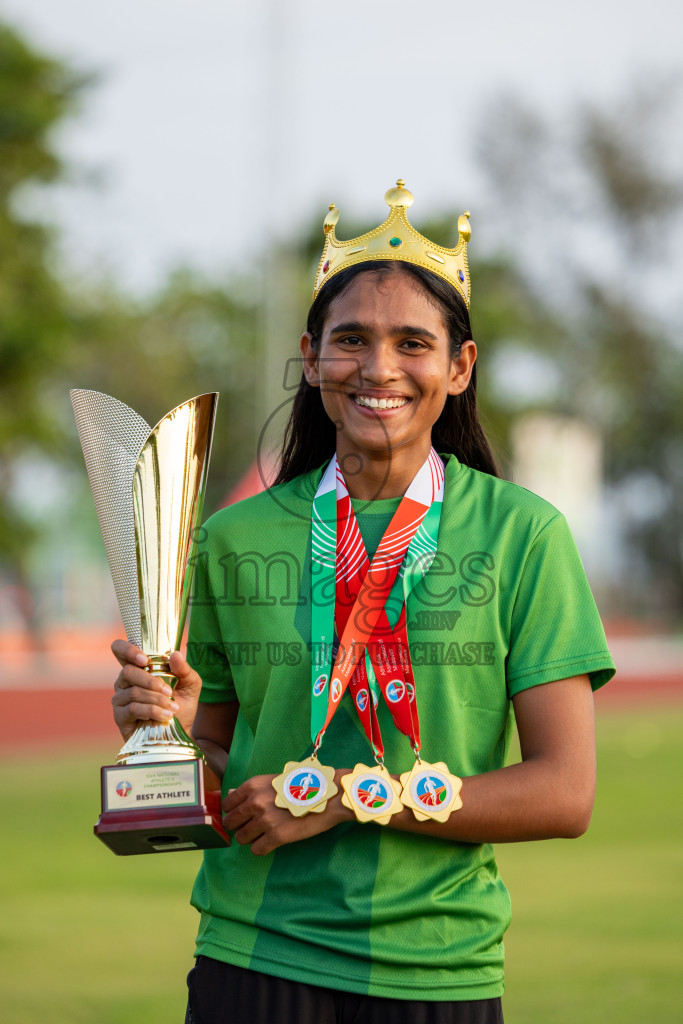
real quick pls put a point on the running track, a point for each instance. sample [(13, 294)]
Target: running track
[(62, 702)]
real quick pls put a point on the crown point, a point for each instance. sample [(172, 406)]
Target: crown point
[(399, 196), (464, 229), (331, 218)]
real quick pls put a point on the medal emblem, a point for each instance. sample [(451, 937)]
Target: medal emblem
[(319, 685), (395, 690), (304, 786), (431, 791), (371, 794)]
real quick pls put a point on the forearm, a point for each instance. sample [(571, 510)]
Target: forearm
[(548, 795), (519, 803), (526, 801), (216, 760), (212, 731)]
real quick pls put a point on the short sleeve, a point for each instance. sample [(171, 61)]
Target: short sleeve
[(206, 651), (556, 630)]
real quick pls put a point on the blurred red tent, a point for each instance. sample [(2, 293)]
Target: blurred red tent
[(257, 478)]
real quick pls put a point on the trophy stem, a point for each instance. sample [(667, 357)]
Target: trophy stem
[(154, 743)]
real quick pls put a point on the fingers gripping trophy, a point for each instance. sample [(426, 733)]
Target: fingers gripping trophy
[(148, 485)]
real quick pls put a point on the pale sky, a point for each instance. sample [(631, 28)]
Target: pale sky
[(215, 124)]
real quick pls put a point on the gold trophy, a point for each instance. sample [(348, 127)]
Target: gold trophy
[(148, 485)]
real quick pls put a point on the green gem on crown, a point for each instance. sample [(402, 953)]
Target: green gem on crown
[(395, 242)]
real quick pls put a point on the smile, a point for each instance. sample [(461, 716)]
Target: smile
[(380, 403)]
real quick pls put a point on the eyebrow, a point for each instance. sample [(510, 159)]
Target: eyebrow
[(356, 326)]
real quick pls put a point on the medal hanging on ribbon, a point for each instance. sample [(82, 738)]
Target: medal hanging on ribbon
[(361, 591), (429, 790), (306, 786), (371, 603), (368, 602)]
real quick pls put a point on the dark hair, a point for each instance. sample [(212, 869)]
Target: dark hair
[(310, 436)]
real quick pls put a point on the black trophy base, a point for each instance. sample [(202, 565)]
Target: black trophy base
[(159, 808)]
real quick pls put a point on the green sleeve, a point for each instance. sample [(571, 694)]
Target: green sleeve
[(205, 648), (556, 630)]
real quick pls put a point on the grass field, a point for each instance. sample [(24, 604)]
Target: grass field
[(89, 938)]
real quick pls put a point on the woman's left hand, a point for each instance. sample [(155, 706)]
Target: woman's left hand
[(250, 812)]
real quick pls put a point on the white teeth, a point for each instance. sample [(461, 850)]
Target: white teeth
[(380, 403)]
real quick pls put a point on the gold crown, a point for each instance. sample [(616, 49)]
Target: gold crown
[(396, 239)]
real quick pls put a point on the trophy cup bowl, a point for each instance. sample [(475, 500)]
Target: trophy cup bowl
[(148, 485)]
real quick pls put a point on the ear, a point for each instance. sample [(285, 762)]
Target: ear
[(310, 358), (461, 368)]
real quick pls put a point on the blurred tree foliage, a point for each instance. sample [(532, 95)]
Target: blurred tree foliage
[(36, 92), (589, 205), (191, 336)]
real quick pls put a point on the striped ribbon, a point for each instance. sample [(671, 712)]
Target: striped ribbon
[(368, 651)]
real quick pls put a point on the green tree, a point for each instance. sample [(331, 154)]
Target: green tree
[(36, 93), (589, 207), (153, 353), (57, 333)]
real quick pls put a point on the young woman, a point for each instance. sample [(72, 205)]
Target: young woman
[(384, 902)]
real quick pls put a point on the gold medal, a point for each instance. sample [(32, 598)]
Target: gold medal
[(431, 791), (371, 794), (305, 787)]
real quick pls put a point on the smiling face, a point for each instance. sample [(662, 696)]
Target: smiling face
[(384, 367)]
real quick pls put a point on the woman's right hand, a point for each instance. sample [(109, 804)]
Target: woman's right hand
[(140, 696)]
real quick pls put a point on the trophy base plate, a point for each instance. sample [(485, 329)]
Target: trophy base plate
[(159, 808)]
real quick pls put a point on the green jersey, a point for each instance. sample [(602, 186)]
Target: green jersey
[(361, 907)]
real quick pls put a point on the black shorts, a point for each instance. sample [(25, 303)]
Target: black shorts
[(222, 994)]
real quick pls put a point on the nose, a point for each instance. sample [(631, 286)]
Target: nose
[(380, 363)]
